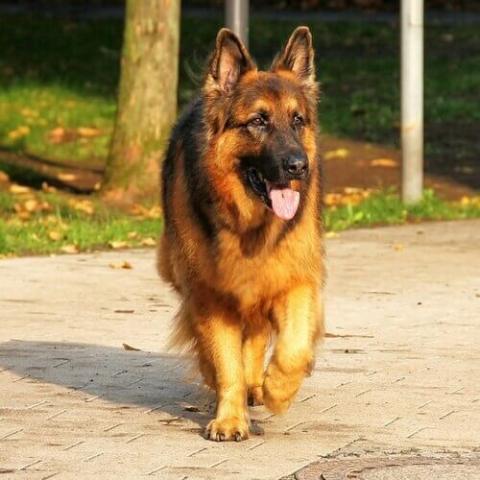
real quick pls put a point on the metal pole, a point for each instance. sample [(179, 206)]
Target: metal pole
[(236, 18), (412, 99)]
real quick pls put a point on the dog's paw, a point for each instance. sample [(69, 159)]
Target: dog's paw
[(227, 429), (277, 396), (255, 396)]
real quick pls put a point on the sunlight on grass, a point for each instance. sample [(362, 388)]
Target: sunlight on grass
[(45, 223), (388, 209), (32, 114), (42, 223), (64, 73)]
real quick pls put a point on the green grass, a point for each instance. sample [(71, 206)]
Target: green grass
[(57, 73), (62, 73), (104, 228), (387, 209), (58, 223)]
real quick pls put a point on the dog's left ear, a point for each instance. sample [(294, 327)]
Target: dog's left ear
[(297, 56), (229, 61)]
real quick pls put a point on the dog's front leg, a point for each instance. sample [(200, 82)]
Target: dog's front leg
[(219, 339), (299, 321)]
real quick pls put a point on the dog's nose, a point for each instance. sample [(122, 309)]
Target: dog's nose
[(296, 165)]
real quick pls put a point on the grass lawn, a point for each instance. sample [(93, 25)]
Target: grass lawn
[(37, 222), (58, 81), (61, 74)]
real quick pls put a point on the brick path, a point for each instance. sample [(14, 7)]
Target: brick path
[(400, 374)]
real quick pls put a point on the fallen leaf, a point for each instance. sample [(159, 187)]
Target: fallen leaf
[(331, 235), (132, 235), (66, 177), (19, 132), (48, 188), (129, 348), (27, 112), (30, 205), (88, 132), (148, 242), (384, 162), (142, 211), (17, 189), (398, 247), (191, 408), (4, 178), (338, 153), (332, 199), (57, 135), (54, 235), (117, 244), (84, 205), (125, 265), (69, 249)]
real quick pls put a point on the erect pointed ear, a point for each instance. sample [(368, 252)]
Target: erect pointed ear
[(297, 56), (229, 61)]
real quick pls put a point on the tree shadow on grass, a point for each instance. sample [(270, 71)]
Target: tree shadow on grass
[(154, 382)]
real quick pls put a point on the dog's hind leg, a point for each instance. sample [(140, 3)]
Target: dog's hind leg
[(219, 339), (298, 320), (255, 338)]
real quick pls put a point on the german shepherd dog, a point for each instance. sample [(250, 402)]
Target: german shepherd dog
[(242, 243)]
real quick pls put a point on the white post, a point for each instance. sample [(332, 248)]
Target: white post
[(412, 99), (236, 18)]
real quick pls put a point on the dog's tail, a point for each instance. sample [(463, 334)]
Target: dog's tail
[(182, 337)]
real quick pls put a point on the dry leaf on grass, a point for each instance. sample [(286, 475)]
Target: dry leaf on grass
[(18, 189), (57, 135), (27, 112), (19, 132), (350, 196), (125, 265), (69, 249), (88, 132), (148, 242), (85, 206), (473, 200), (144, 212), (117, 244), (48, 188), (30, 205), (54, 235)]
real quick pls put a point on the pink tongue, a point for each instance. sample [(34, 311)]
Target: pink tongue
[(285, 202)]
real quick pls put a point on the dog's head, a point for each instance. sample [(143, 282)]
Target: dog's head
[(264, 122)]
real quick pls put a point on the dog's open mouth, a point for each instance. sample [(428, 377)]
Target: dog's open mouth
[(282, 199)]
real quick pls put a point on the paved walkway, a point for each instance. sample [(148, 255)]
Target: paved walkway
[(399, 372)]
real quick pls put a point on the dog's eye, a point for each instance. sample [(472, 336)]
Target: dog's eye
[(258, 122), (298, 120)]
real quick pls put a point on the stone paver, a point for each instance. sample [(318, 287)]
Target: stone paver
[(399, 372)]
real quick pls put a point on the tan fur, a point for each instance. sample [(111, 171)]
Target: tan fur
[(250, 284)]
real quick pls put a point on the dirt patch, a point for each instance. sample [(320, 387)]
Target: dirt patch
[(348, 164), (362, 165)]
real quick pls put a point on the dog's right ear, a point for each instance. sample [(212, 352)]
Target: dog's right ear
[(229, 61)]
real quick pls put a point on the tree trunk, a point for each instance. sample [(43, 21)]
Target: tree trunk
[(147, 101)]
